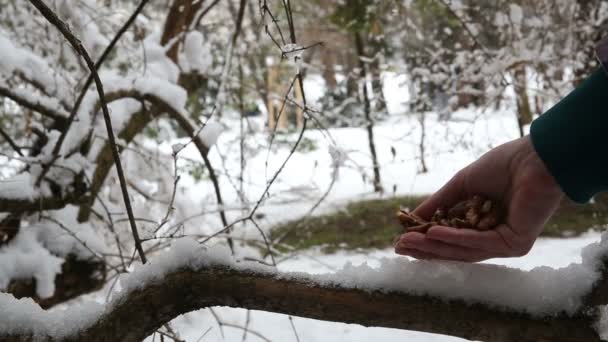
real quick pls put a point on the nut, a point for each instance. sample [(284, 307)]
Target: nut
[(477, 212)]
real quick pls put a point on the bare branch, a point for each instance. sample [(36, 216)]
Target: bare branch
[(36, 204), (10, 141)]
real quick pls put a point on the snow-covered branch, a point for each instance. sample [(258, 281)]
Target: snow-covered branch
[(456, 299), (19, 194), (45, 106), (164, 98)]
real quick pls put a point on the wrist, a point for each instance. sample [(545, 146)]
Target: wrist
[(529, 159)]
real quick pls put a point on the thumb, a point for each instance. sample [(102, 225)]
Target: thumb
[(451, 193)]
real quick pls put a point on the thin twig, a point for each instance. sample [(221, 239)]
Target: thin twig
[(77, 45), (252, 332), (10, 141), (204, 334), (98, 64), (246, 329)]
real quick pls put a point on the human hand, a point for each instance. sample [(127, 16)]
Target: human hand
[(514, 176)]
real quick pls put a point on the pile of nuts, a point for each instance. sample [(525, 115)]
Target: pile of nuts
[(477, 212)]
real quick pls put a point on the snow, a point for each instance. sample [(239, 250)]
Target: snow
[(38, 249), (293, 53), (83, 26), (26, 258), (210, 133), (171, 94), (22, 187), (338, 157), (25, 316), (82, 240), (17, 60), (195, 56), (542, 290), (157, 63), (46, 102), (516, 13), (556, 253)]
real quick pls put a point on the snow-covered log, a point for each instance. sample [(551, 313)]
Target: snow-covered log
[(148, 308), (191, 277)]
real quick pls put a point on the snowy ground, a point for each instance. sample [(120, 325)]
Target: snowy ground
[(449, 146)]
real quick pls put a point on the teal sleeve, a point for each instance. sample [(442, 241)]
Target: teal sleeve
[(571, 138)]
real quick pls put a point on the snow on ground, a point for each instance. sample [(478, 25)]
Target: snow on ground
[(449, 146)]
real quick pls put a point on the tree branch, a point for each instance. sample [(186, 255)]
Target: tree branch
[(137, 123), (77, 45), (39, 107), (90, 79), (37, 204), (186, 290)]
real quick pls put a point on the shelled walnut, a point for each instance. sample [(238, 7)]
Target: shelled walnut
[(476, 212)]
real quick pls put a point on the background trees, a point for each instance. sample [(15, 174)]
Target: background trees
[(177, 74)]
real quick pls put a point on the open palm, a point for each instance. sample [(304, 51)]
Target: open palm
[(512, 175)]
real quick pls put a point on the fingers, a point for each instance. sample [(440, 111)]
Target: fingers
[(451, 193), (437, 249), (466, 244), (414, 253), (491, 241)]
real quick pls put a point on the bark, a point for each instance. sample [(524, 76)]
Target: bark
[(142, 311), (524, 111), (368, 112), (137, 123), (19, 205), (39, 107), (377, 85), (77, 277), (329, 71), (421, 143), (9, 227), (180, 17), (586, 12)]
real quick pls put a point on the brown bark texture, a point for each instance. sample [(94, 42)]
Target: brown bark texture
[(142, 311)]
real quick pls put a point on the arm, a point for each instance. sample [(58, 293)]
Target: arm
[(571, 139)]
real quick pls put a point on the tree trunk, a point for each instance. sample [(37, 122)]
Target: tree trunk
[(377, 89), (369, 121), (180, 17), (524, 111), (586, 12), (421, 145)]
